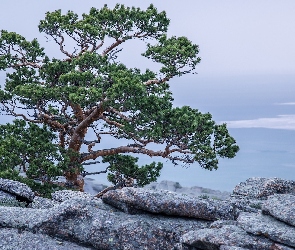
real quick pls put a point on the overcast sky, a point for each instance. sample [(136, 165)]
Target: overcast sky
[(235, 36), (238, 39)]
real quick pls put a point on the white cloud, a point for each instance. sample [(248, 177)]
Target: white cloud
[(279, 122), (286, 103)]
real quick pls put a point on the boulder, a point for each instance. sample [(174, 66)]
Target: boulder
[(246, 204), (261, 188), (63, 195), (231, 248), (282, 207), (226, 236), (42, 203), (137, 218), (19, 190), (91, 222), (135, 200), (17, 239), (259, 224)]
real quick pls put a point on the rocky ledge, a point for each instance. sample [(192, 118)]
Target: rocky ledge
[(259, 214)]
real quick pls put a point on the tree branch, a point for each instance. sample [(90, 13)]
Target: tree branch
[(108, 121), (110, 48), (91, 163), (150, 82), (81, 129)]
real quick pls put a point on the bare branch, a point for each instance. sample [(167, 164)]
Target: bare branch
[(101, 193), (20, 115), (108, 121), (34, 65), (98, 46), (118, 113), (110, 48), (90, 142), (61, 45), (91, 163)]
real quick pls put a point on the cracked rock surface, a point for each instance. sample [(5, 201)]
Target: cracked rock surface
[(259, 224), (281, 207), (135, 200), (135, 218)]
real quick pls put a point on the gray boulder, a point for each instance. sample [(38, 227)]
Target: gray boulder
[(16, 188), (231, 248), (16, 239), (63, 195), (261, 188), (259, 224), (91, 222), (246, 204), (282, 207), (136, 200), (152, 219), (42, 203), (226, 236)]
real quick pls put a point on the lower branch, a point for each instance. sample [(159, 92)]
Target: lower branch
[(84, 173)]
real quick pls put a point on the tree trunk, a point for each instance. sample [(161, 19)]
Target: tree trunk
[(74, 179)]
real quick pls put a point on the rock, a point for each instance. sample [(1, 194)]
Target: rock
[(261, 188), (194, 191), (259, 224), (42, 203), (20, 190), (15, 239), (226, 237), (95, 223), (63, 195), (6, 196), (152, 219), (282, 207), (246, 204), (7, 199), (231, 248), (136, 200)]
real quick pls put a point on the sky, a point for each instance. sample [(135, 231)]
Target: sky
[(247, 74), (235, 36)]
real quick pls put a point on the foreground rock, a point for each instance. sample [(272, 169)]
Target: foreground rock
[(281, 207), (263, 187), (228, 235), (136, 200), (91, 222), (137, 218), (16, 189), (11, 238), (259, 224)]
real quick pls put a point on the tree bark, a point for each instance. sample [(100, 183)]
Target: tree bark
[(73, 177)]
